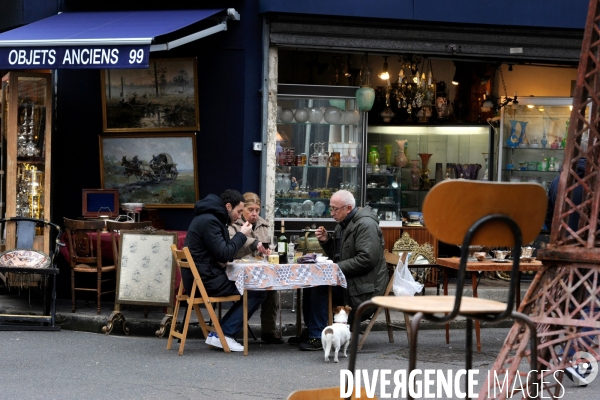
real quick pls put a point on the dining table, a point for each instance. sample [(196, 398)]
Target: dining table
[(475, 267), (254, 274)]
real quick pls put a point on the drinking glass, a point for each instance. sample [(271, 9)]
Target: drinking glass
[(273, 243), (266, 242)]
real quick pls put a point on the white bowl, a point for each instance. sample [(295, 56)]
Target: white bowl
[(321, 259)]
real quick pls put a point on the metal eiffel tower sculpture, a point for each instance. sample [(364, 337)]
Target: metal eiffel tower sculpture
[(563, 299)]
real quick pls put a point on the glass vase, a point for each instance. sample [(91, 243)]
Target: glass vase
[(401, 159), (415, 174), (425, 170), (513, 139), (388, 154), (523, 137)]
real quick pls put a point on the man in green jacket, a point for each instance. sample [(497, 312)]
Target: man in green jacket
[(356, 245)]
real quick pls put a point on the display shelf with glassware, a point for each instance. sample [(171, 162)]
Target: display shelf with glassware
[(319, 137), (416, 157), (26, 127), (532, 138)]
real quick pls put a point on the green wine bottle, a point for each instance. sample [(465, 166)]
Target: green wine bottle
[(282, 245)]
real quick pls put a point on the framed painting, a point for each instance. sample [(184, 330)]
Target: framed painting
[(162, 98), (146, 273), (157, 170)]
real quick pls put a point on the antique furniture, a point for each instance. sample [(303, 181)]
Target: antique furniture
[(27, 126), (23, 259), (85, 248), (317, 147), (183, 259), (497, 217), (474, 268), (115, 228)]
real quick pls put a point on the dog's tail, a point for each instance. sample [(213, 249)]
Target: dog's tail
[(328, 337)]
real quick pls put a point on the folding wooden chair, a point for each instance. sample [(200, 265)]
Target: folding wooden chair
[(183, 258), (391, 260)]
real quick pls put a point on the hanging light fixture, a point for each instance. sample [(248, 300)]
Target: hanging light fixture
[(384, 74), (365, 95), (455, 78)]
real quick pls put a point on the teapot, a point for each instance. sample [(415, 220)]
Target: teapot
[(309, 242)]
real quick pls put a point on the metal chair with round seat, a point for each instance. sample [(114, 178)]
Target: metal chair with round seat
[(471, 212)]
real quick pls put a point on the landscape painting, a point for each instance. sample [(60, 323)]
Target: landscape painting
[(157, 170), (161, 98)]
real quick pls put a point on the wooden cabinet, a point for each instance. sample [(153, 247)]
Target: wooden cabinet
[(26, 131)]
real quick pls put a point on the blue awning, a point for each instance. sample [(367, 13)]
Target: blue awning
[(106, 39)]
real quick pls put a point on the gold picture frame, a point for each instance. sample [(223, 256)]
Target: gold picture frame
[(158, 170), (162, 98)]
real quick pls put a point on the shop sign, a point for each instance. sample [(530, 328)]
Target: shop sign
[(74, 57)]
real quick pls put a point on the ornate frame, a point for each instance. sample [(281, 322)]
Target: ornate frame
[(162, 98), (143, 182)]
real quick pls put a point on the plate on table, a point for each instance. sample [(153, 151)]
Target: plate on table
[(500, 261), (527, 259)]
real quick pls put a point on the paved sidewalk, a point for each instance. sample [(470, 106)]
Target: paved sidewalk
[(87, 320)]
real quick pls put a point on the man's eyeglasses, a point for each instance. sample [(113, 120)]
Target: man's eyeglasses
[(333, 209)]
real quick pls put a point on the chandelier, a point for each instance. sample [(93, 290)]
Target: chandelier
[(414, 90)]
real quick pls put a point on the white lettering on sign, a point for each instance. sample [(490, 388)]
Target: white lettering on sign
[(32, 57), (93, 56), (516, 50)]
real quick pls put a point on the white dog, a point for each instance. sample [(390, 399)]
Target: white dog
[(337, 334)]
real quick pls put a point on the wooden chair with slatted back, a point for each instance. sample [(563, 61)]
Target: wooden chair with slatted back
[(391, 259), (183, 259), (85, 250), (465, 212), (331, 393)]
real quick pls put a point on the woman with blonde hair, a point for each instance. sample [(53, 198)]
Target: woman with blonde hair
[(260, 228)]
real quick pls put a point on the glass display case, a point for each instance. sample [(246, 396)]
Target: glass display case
[(26, 131), (319, 149), (532, 139), (407, 161)]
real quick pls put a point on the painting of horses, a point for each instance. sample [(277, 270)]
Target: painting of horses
[(162, 98), (157, 170)]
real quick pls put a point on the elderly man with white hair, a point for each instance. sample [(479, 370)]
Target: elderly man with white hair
[(356, 245)]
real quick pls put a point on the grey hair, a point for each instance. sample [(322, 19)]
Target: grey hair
[(346, 197)]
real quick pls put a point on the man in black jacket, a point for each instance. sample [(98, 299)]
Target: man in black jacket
[(210, 246), (356, 245)]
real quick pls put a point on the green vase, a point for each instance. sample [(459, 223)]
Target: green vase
[(365, 97), (373, 157)]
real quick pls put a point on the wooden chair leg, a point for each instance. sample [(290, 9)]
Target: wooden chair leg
[(99, 292), (369, 327), (173, 325), (388, 323), (412, 353), (73, 290), (184, 332), (217, 326), (407, 323)]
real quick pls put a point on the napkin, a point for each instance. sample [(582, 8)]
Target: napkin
[(307, 259)]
